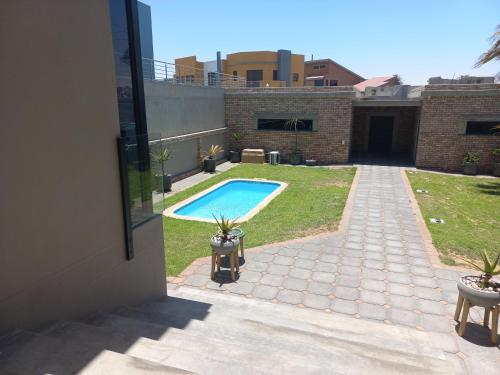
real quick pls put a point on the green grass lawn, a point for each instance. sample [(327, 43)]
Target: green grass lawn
[(470, 207), (313, 202)]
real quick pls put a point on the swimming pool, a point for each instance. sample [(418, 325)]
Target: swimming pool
[(237, 199)]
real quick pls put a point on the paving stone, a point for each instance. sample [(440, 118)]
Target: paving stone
[(447, 284), (316, 287), (422, 271), (397, 267), (395, 250), (270, 251), (308, 255), (350, 270), (351, 261), (242, 287), (288, 252), (417, 254), (434, 323), (344, 306), (375, 298), (300, 273), (284, 261), (350, 281), (374, 256), (397, 277), (325, 277), (400, 289), (443, 341), (353, 245), (404, 317), (295, 245), (418, 262), (401, 302), (276, 269), (431, 307), (327, 258), (333, 250), (396, 258), (326, 267), (317, 302), (197, 280), (263, 258), (450, 296), (354, 238), (428, 282), (295, 284), (374, 264), (304, 263), (250, 276), (265, 292), (256, 266), (371, 311), (447, 274), (374, 285), (347, 293), (290, 296), (273, 280), (428, 293), (373, 274)]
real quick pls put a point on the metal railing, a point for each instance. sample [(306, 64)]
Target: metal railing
[(187, 75)]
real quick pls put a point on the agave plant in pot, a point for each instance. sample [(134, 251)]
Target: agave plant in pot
[(164, 180), (225, 243), (209, 162), (471, 160), (482, 290)]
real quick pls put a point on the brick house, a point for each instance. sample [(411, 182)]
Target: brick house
[(429, 126), (327, 72)]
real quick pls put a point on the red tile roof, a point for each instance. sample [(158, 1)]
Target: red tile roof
[(372, 82)]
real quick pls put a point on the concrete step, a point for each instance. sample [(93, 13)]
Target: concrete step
[(350, 342), (29, 353), (184, 350)]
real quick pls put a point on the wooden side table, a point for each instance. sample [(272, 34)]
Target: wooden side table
[(233, 263), (464, 305)]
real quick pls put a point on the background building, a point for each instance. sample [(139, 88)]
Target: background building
[(327, 72), (258, 68), (460, 80)]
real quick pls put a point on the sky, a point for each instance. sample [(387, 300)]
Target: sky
[(416, 39)]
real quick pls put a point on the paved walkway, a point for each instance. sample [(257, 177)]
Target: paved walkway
[(376, 268)]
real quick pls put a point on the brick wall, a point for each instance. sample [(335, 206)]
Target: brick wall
[(444, 109), (331, 110)]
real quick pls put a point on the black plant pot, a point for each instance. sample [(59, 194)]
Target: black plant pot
[(167, 183), (234, 156), (496, 169), (470, 169), (296, 158), (209, 165)]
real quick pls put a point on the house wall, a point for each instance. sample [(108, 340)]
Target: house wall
[(330, 108), (189, 119), (62, 247), (331, 71), (444, 110)]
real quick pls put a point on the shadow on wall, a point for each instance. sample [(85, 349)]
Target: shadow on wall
[(79, 344), (490, 188)]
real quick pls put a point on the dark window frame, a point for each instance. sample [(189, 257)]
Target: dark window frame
[(481, 127), (295, 77), (283, 117), (275, 75)]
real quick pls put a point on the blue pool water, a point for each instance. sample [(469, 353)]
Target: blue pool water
[(234, 200)]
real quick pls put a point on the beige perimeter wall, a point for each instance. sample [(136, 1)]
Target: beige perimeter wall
[(62, 251)]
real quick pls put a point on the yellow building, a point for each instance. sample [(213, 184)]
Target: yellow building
[(189, 70), (258, 68)]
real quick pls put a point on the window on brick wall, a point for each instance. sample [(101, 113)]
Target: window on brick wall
[(275, 75), (295, 77), (476, 127), (281, 124)]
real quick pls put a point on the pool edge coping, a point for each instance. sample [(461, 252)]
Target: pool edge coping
[(170, 211)]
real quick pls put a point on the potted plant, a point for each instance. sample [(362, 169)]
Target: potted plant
[(161, 156), (496, 161), (209, 162), (471, 160), (482, 290), (297, 156), (235, 155), (223, 242)]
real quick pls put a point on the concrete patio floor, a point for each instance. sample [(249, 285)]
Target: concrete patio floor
[(379, 266)]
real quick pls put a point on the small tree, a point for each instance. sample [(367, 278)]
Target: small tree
[(162, 156), (294, 124)]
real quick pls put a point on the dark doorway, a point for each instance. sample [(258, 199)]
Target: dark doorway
[(381, 129)]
